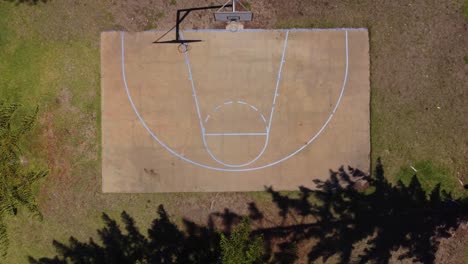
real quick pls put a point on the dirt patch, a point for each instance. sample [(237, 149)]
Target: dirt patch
[(160, 14), (61, 155), (58, 161), (454, 250)]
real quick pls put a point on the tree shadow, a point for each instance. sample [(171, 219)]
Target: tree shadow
[(352, 217), (28, 2), (165, 243), (383, 217), (357, 218)]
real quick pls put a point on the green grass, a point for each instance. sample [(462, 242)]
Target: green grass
[(465, 59), (247, 5), (465, 255), (465, 10), (264, 197), (154, 16), (429, 175)]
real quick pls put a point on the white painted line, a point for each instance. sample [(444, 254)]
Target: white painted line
[(207, 118), (415, 170), (235, 134), (336, 106), (278, 80), (127, 90), (129, 96), (253, 107), (217, 108), (264, 120), (203, 128), (194, 92), (261, 30), (241, 102)]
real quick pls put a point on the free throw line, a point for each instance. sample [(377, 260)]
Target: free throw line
[(235, 134)]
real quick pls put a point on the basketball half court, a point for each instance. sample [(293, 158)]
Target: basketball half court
[(236, 111)]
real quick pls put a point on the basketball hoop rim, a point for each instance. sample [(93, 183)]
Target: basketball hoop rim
[(233, 26)]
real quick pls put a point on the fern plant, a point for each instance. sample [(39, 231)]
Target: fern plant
[(16, 180)]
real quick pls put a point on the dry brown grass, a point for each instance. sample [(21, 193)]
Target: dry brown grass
[(418, 80)]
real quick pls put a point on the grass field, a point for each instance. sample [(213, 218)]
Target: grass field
[(49, 56)]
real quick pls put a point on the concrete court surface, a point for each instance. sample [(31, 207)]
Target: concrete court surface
[(235, 112)]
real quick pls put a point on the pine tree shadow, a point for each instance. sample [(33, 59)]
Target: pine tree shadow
[(348, 209), (165, 243), (352, 208)]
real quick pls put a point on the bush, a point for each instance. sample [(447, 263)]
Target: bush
[(239, 248)]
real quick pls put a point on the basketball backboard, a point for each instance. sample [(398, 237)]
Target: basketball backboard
[(233, 16)]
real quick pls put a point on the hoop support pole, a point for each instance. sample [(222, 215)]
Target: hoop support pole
[(187, 11)]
